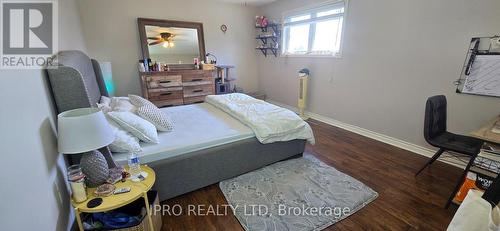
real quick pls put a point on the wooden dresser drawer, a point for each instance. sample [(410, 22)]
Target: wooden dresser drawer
[(195, 99), (198, 90), (166, 93), (168, 103), (194, 80), (164, 81), (177, 87)]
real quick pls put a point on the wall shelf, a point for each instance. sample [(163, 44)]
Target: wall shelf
[(265, 49), (269, 36), (265, 38), (274, 26)]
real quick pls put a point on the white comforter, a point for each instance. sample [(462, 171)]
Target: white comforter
[(269, 122)]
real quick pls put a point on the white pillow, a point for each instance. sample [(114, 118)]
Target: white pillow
[(155, 116), (134, 124), (104, 104), (124, 141), (139, 101), (104, 108), (105, 100), (107, 104), (121, 104)]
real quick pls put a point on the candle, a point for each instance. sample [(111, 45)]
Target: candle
[(78, 190), (76, 180)]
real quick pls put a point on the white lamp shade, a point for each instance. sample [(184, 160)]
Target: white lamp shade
[(83, 130)]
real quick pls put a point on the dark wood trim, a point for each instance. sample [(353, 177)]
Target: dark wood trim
[(142, 22)]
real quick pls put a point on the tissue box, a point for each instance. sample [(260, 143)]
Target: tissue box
[(208, 67)]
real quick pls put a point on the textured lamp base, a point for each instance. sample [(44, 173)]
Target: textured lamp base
[(95, 167)]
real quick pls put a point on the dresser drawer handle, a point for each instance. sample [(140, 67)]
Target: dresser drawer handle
[(196, 80), (165, 81), (199, 90), (166, 93), (201, 101)]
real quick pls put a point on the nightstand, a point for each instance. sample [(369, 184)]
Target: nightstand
[(137, 190)]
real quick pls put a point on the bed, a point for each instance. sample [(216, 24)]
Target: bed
[(197, 127), (206, 146)]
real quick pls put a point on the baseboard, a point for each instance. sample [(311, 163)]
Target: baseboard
[(373, 135)]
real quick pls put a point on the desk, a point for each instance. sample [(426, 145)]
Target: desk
[(491, 195), (485, 132)]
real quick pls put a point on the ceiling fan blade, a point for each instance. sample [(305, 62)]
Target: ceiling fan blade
[(154, 38), (155, 43)]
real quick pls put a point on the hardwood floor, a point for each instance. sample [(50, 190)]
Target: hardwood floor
[(404, 202)]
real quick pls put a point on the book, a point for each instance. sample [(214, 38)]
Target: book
[(477, 178), (491, 148), (488, 164), (489, 158)]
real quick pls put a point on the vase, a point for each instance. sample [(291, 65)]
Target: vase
[(95, 167)]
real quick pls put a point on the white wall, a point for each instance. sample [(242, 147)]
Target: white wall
[(111, 34), (34, 194), (396, 53)]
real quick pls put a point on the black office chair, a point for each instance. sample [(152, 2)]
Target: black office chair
[(436, 135)]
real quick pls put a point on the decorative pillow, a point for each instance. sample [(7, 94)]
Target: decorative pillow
[(121, 104), (136, 125), (139, 101), (124, 141), (105, 100), (104, 108), (155, 116)]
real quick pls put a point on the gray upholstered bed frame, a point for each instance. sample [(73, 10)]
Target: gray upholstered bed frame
[(78, 83)]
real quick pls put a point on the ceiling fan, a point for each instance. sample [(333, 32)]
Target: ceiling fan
[(165, 38)]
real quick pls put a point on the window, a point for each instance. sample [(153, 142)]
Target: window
[(315, 31)]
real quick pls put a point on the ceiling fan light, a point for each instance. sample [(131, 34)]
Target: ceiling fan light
[(166, 44), (171, 44)]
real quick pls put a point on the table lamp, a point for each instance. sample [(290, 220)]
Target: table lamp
[(85, 130)]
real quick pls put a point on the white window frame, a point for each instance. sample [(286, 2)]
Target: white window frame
[(305, 10)]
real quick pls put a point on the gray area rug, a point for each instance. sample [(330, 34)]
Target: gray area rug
[(297, 194)]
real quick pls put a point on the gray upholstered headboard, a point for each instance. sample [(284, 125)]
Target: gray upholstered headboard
[(77, 82)]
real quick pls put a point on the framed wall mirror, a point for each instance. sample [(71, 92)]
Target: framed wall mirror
[(174, 43)]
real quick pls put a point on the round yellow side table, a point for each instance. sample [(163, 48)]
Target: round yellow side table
[(137, 190)]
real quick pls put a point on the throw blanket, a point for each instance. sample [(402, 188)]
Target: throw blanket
[(269, 122)]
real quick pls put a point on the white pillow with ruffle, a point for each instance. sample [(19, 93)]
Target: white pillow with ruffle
[(136, 125), (124, 141)]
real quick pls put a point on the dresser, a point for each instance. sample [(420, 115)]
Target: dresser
[(177, 87)]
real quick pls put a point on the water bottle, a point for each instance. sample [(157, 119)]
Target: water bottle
[(134, 167)]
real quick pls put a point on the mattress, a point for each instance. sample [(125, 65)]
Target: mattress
[(196, 127)]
